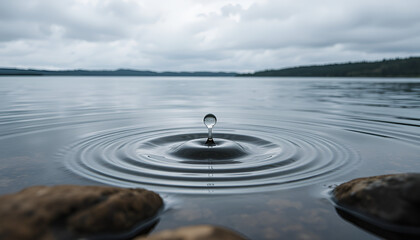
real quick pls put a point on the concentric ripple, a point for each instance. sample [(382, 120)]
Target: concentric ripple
[(246, 158)]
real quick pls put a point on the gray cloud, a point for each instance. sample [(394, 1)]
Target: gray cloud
[(204, 35)]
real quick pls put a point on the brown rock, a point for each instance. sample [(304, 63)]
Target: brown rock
[(39, 212), (200, 232), (393, 198)]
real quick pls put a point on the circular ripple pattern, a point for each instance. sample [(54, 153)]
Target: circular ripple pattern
[(245, 159)]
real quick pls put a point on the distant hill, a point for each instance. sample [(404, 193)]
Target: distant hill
[(119, 72), (408, 67)]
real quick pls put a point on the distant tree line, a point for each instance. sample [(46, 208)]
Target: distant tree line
[(119, 72), (408, 67)]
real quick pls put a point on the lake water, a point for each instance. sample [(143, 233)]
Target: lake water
[(281, 144)]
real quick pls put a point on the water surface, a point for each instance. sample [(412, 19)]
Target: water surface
[(282, 143)]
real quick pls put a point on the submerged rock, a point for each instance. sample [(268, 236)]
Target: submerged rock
[(43, 212), (200, 232), (394, 199)]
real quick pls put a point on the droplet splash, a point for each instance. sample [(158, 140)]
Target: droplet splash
[(250, 159), (210, 120)]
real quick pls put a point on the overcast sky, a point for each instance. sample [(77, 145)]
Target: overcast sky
[(225, 35)]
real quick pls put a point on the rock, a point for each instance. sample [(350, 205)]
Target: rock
[(200, 232), (41, 212), (393, 198)]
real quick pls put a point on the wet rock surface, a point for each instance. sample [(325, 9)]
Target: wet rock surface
[(394, 199), (43, 212), (199, 232)]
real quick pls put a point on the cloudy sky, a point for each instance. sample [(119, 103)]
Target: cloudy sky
[(226, 35)]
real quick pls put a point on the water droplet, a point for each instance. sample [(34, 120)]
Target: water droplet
[(210, 120)]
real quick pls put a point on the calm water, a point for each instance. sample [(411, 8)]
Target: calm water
[(281, 144)]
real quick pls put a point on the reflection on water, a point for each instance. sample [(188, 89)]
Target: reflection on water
[(282, 142), (369, 93), (379, 228)]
